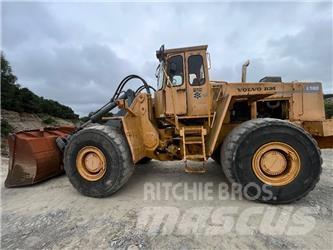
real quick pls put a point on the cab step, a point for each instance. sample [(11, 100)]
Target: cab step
[(190, 136), (196, 170)]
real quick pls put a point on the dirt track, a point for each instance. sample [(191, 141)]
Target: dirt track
[(53, 215)]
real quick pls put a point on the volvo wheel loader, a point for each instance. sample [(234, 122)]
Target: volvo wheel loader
[(265, 133)]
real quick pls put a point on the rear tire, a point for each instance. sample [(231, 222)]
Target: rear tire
[(112, 145), (241, 147)]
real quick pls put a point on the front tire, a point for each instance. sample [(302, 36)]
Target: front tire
[(274, 154), (97, 161)]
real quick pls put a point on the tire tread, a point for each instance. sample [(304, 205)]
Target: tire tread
[(126, 167), (229, 147)]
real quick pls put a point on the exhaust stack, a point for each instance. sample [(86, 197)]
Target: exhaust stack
[(245, 65)]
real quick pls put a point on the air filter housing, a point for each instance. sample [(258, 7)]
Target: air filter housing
[(271, 79)]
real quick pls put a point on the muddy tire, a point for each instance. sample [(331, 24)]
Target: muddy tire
[(111, 169), (242, 146)]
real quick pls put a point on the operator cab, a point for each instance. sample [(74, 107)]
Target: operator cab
[(182, 82)]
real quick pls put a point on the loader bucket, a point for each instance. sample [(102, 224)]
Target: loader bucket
[(34, 156)]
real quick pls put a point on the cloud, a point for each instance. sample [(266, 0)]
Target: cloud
[(78, 76), (77, 53), (24, 23), (308, 52)]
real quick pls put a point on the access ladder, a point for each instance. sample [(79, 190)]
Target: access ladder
[(194, 135)]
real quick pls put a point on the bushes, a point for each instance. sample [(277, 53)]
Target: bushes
[(49, 121), (16, 98), (328, 102), (328, 109), (6, 128)]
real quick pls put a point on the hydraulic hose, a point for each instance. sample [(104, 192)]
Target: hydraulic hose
[(126, 80), (143, 87), (117, 95), (105, 109)]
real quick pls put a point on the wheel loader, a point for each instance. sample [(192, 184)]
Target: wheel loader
[(265, 133)]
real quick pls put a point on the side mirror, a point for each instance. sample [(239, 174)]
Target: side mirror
[(172, 68)]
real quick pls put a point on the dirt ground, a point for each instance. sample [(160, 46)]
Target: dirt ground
[(53, 215)]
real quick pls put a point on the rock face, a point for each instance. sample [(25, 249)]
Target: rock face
[(27, 121)]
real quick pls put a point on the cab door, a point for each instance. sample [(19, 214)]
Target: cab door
[(175, 89), (198, 99)]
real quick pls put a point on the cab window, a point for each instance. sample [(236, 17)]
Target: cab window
[(175, 70), (196, 72)]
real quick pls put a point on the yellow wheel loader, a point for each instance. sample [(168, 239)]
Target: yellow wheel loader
[(268, 133)]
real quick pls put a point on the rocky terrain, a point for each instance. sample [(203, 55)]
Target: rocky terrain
[(53, 215), (26, 121)]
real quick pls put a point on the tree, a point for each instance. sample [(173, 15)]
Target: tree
[(18, 99), (8, 88), (7, 75)]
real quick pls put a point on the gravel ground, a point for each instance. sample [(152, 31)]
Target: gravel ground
[(53, 215)]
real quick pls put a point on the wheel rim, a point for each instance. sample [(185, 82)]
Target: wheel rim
[(91, 163), (276, 163)]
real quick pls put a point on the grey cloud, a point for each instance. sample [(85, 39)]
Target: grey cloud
[(25, 23), (76, 53), (306, 54), (312, 44), (75, 75)]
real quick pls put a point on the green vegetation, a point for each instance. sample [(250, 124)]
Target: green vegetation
[(16, 98), (6, 128), (328, 105), (86, 118), (49, 121)]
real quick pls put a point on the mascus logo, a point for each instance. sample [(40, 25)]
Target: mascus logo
[(252, 89)]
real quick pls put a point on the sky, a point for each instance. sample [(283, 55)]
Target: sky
[(78, 52)]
